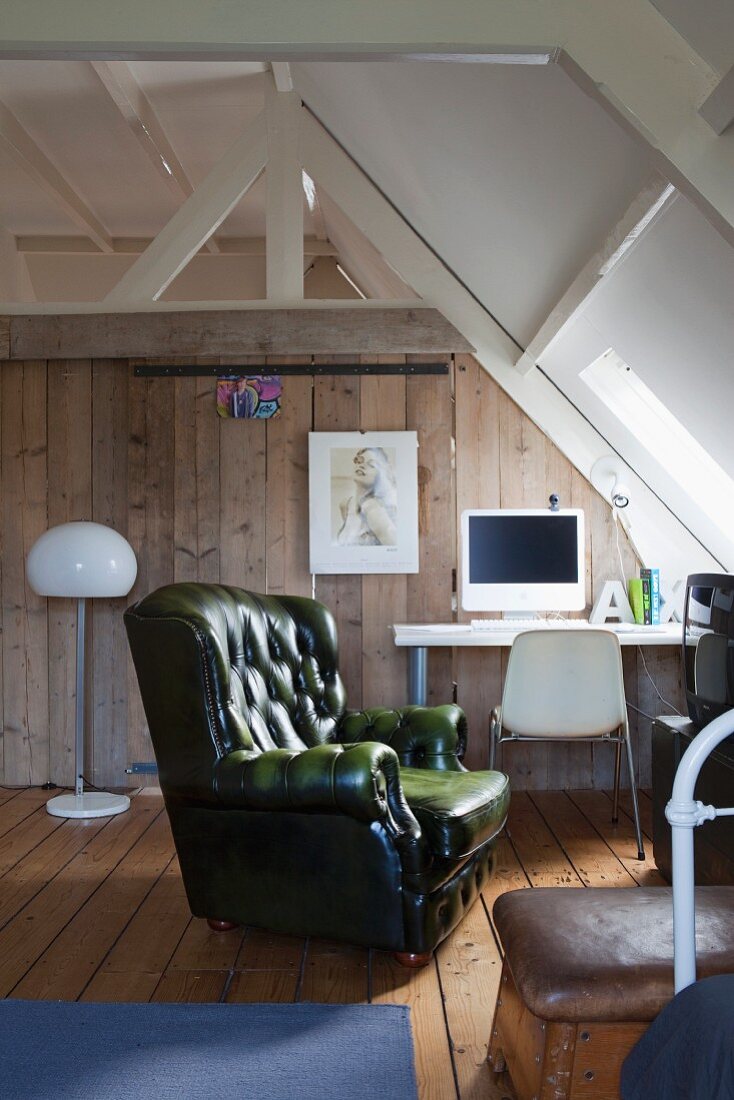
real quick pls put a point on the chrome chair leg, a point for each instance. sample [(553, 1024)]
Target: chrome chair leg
[(494, 730), (617, 774), (635, 803)]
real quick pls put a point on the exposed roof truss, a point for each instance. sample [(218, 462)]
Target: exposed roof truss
[(39, 167), (137, 111)]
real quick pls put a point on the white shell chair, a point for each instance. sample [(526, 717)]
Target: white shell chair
[(567, 686)]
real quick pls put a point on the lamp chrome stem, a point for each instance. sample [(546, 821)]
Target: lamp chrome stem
[(83, 804), (81, 608)]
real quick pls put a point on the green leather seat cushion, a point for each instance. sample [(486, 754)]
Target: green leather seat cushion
[(457, 811)]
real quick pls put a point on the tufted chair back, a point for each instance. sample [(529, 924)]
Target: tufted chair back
[(260, 671)]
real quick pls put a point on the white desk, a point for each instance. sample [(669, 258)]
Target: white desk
[(420, 637)]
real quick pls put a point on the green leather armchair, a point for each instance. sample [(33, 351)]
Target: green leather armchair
[(289, 811)]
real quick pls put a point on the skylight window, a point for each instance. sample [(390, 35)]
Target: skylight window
[(662, 434)]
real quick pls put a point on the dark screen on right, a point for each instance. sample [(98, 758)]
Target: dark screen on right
[(709, 652), (523, 549)]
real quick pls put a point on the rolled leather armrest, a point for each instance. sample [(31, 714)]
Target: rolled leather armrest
[(362, 781), (422, 737)]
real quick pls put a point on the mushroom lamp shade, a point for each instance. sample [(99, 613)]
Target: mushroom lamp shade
[(79, 561)]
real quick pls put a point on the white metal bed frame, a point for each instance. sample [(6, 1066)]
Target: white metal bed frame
[(684, 814)]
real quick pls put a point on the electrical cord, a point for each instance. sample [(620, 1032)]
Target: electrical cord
[(91, 786), (642, 712), (49, 786), (615, 516), (655, 687)]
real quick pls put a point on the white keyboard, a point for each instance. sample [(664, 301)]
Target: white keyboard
[(515, 625), (636, 628)]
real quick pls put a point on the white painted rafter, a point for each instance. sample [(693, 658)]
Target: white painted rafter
[(135, 107), (284, 194), (314, 205), (195, 221), (359, 256), (653, 197), (281, 71), (38, 166), (126, 246), (718, 108), (14, 309)]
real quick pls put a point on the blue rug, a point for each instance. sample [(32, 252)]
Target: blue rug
[(54, 1049)]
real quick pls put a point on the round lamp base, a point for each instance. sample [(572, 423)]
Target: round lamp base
[(88, 804)]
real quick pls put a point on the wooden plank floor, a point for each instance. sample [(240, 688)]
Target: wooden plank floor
[(95, 911)]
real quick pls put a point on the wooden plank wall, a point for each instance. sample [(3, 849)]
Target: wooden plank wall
[(220, 500)]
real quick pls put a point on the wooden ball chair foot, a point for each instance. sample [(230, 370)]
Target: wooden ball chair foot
[(221, 925), (405, 958)]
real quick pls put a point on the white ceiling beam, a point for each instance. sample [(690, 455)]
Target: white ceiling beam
[(34, 162), (317, 216), (255, 246), (656, 192), (195, 221), (713, 158), (71, 246), (640, 66), (360, 257), (314, 205), (230, 246), (14, 309), (14, 278), (281, 71), (284, 197), (134, 106), (718, 108), (145, 126)]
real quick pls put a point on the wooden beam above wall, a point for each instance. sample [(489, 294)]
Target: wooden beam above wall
[(330, 331)]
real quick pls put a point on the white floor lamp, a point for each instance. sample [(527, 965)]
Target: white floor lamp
[(82, 560)]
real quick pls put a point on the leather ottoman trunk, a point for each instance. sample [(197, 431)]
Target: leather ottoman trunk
[(585, 973)]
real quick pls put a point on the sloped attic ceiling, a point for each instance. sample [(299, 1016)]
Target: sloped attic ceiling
[(508, 172), (511, 174), (515, 179), (708, 25), (667, 310)]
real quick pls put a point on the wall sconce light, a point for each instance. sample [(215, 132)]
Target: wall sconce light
[(608, 476)]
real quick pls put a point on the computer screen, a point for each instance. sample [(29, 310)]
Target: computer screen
[(523, 560)]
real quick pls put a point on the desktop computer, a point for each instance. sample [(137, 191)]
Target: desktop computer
[(523, 560)]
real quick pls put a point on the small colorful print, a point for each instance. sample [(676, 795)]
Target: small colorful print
[(249, 398)]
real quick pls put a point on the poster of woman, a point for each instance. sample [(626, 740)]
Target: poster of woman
[(364, 496), (363, 489)]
